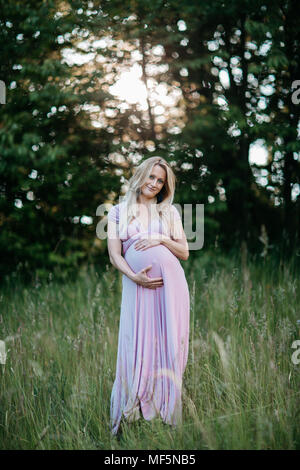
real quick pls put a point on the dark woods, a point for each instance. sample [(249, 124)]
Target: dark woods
[(206, 85)]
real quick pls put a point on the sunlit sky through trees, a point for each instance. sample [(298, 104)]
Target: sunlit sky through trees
[(128, 87)]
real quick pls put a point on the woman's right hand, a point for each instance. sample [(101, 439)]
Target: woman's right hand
[(142, 279)]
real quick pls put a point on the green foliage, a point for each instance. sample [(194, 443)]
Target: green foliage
[(57, 165), (53, 165)]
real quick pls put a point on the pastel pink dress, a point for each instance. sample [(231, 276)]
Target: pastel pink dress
[(153, 333)]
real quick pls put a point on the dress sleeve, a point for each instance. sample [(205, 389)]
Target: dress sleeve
[(176, 213), (113, 214), (176, 223)]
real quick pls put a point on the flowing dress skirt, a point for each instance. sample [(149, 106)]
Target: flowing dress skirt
[(153, 340)]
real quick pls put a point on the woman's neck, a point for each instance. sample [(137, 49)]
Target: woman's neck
[(147, 202)]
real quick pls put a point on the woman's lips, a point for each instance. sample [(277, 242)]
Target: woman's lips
[(151, 188)]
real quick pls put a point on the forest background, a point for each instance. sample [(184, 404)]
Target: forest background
[(94, 87)]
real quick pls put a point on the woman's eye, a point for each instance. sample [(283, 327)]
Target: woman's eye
[(159, 181)]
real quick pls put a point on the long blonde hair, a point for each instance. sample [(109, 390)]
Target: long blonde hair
[(162, 209)]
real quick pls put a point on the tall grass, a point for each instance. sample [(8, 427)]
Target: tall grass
[(241, 388)]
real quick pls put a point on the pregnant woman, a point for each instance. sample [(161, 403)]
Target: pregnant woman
[(154, 324)]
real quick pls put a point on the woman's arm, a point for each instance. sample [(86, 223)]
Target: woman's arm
[(114, 246), (177, 243), (178, 247), (118, 261)]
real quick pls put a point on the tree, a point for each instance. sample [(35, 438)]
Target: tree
[(54, 162)]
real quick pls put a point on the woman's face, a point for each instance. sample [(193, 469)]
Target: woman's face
[(154, 182)]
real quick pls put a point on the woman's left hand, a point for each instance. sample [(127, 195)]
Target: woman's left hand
[(148, 241)]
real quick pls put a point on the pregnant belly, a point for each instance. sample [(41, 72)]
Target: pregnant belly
[(160, 257)]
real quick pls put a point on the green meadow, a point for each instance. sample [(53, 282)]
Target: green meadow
[(241, 386)]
